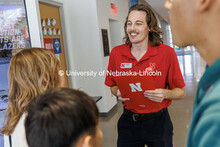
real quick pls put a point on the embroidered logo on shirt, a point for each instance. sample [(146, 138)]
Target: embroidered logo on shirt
[(149, 69), (152, 65), (126, 65)]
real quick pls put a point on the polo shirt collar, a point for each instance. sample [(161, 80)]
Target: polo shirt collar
[(152, 51)]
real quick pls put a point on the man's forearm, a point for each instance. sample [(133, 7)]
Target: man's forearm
[(175, 94)]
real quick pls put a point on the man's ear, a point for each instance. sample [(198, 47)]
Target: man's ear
[(87, 141), (204, 5)]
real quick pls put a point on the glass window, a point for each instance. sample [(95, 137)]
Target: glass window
[(14, 34)]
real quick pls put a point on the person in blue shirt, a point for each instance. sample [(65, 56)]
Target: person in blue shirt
[(197, 22)]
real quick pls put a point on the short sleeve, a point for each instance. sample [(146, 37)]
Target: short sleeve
[(175, 78), (18, 136), (109, 79), (207, 130)]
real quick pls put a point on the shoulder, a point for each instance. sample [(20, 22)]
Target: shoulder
[(207, 119), (120, 49), (19, 136), (6, 141), (209, 105), (20, 124), (164, 49), (213, 95)]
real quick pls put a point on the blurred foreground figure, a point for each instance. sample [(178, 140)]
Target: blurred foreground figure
[(63, 117), (31, 72), (197, 22)]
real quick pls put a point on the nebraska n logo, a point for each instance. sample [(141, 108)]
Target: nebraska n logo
[(135, 87)]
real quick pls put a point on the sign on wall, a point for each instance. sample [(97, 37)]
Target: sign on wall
[(14, 32), (48, 44), (105, 42), (57, 45)]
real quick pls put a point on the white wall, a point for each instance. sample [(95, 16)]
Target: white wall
[(84, 47), (84, 20), (82, 24), (104, 14)]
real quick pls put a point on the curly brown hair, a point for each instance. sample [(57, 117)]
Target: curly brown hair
[(155, 31)]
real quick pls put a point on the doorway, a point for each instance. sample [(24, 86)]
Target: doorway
[(115, 33)]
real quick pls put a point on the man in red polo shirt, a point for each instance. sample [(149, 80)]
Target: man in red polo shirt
[(143, 51)]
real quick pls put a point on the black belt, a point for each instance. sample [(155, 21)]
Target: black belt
[(143, 116)]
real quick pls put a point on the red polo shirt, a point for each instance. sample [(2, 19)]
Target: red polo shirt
[(160, 58)]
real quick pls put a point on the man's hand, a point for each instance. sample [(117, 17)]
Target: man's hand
[(120, 98), (156, 95)]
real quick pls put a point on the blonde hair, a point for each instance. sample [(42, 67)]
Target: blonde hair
[(31, 72)]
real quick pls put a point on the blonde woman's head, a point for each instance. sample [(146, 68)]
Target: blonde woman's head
[(31, 72)]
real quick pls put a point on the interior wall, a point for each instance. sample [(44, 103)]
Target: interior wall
[(105, 13), (84, 48), (82, 24)]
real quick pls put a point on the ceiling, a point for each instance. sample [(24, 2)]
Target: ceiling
[(158, 6)]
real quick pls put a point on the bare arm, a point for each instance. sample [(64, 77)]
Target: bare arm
[(175, 94), (159, 95)]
